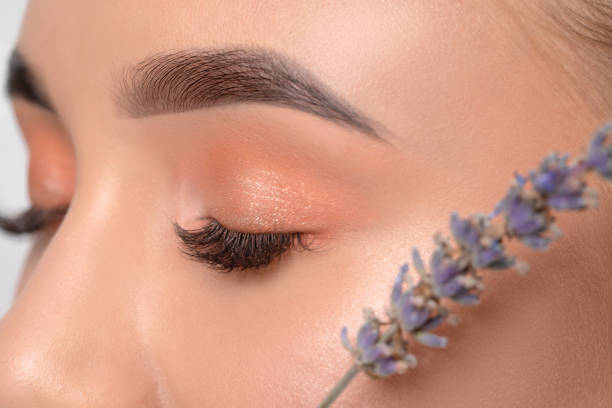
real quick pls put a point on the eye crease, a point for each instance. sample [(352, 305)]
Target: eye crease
[(225, 250)]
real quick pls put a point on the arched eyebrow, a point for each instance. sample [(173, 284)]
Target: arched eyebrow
[(186, 80)]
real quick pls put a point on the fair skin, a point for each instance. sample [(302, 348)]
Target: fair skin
[(109, 313)]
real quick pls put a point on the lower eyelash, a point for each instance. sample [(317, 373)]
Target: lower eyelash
[(31, 220), (224, 249)]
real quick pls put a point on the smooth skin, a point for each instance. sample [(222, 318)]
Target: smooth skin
[(108, 312)]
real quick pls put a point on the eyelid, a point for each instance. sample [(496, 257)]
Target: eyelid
[(32, 220), (224, 250)]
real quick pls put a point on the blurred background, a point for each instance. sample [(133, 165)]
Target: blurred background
[(13, 161)]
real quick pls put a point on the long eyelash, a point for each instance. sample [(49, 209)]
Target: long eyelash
[(224, 249), (215, 245), (31, 220)]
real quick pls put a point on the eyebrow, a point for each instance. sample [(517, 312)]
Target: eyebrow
[(21, 81), (186, 80)]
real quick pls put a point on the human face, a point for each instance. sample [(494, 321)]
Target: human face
[(451, 101)]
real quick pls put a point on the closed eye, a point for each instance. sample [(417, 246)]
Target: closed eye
[(31, 220), (218, 247), (224, 249)]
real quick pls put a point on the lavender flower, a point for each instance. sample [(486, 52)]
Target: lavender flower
[(378, 357), (454, 278), (528, 218), (482, 240), (562, 186), (599, 157), (417, 310), (374, 356)]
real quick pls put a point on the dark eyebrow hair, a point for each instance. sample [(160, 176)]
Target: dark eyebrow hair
[(21, 81), (180, 81)]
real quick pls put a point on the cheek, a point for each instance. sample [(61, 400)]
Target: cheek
[(269, 339)]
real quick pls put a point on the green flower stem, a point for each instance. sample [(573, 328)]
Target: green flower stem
[(340, 386), (352, 372)]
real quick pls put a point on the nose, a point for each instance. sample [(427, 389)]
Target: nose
[(72, 337)]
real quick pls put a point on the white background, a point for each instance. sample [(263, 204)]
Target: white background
[(13, 160)]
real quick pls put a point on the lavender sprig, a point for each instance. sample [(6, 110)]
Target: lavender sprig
[(416, 310)]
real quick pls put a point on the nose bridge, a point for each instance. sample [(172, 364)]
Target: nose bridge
[(71, 336)]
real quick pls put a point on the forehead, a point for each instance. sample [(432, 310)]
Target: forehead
[(411, 66)]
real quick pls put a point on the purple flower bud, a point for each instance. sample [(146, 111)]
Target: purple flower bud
[(413, 308), (375, 356), (527, 218), (467, 299), (432, 322), (473, 236), (561, 185), (397, 285), (552, 173), (431, 340), (367, 336), (385, 367), (449, 275), (520, 180), (345, 340), (444, 269), (417, 261), (599, 156), (375, 353), (411, 317)]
